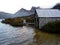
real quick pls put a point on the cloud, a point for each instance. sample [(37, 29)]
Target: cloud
[(13, 6)]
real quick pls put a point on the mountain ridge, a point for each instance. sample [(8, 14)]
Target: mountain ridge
[(23, 12), (57, 6)]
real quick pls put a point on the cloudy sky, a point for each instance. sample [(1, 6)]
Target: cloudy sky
[(12, 6)]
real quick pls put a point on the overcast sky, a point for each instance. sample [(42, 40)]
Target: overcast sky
[(12, 6)]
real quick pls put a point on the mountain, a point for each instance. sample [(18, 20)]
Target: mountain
[(34, 8), (23, 12), (57, 6), (5, 15)]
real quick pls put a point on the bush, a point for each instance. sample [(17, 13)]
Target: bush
[(13, 21), (52, 27), (30, 19)]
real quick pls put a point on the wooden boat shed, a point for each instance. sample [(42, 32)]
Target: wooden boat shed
[(43, 16)]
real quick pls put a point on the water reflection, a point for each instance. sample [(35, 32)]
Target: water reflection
[(36, 38), (9, 34), (42, 38)]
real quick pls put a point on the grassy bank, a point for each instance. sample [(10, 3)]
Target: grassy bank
[(18, 21), (52, 27), (13, 21)]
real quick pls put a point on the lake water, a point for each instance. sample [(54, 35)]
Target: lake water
[(26, 35)]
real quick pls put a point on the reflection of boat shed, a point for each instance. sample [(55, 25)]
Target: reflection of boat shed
[(46, 15)]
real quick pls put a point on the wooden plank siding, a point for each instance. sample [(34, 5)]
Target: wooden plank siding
[(45, 20)]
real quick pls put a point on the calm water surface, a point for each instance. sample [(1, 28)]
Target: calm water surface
[(26, 35)]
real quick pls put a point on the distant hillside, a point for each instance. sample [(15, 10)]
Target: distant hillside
[(24, 12), (57, 6), (5, 15), (34, 8), (21, 13)]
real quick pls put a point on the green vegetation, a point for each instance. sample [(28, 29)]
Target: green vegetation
[(13, 21), (52, 27), (30, 19), (18, 21)]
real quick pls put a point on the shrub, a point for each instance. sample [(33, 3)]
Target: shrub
[(14, 21), (52, 27)]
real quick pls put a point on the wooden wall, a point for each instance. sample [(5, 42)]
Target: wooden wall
[(45, 20)]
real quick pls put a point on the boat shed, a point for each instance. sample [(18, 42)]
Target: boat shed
[(46, 15)]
